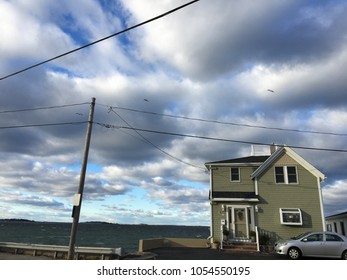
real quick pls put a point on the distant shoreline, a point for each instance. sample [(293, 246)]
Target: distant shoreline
[(17, 220), (93, 222)]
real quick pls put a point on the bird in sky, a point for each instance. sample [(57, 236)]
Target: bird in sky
[(270, 90), (146, 100)]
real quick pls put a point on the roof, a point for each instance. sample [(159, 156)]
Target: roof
[(286, 150), (250, 159), (339, 215), (264, 162), (234, 195)]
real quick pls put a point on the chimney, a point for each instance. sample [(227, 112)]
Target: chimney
[(272, 148)]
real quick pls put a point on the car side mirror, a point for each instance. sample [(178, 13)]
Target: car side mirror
[(304, 240)]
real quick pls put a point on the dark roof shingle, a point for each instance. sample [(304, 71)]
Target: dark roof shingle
[(250, 159)]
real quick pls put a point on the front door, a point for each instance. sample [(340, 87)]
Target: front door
[(240, 223)]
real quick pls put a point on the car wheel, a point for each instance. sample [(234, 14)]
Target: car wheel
[(344, 255), (294, 253)]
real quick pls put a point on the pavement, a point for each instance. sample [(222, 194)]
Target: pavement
[(210, 254)]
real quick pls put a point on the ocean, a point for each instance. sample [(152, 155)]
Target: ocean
[(94, 234)]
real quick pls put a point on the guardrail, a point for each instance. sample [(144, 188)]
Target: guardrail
[(60, 252)]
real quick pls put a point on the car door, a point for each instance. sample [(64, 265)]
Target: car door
[(333, 245), (312, 245)]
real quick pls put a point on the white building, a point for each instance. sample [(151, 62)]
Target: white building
[(337, 223)]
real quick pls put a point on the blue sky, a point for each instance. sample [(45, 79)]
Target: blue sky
[(213, 60)]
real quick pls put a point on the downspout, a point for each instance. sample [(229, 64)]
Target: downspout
[(256, 190), (211, 213), (257, 238)]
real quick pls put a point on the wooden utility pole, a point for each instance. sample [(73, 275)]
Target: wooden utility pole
[(78, 197)]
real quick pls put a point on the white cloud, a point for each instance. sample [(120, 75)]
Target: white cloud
[(208, 61), (334, 196)]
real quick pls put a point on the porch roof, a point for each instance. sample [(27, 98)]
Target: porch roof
[(234, 196)]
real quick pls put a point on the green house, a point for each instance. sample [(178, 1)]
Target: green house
[(264, 198)]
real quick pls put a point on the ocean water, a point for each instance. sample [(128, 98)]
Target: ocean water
[(94, 234)]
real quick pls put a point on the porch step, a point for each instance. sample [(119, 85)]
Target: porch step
[(245, 247)]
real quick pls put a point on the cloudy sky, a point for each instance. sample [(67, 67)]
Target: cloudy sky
[(205, 70)]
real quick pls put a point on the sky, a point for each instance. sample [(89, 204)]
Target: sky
[(247, 71)]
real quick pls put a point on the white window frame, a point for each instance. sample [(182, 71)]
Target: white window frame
[(285, 174), (290, 211), (239, 172)]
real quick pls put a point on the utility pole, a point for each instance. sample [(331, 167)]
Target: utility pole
[(78, 197)]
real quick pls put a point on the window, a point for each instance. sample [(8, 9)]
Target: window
[(291, 216), (315, 237), (333, 237), (279, 173), (329, 227), (235, 174), (286, 175)]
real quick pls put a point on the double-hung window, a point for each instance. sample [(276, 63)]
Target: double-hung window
[(235, 174), (286, 175), (291, 216)]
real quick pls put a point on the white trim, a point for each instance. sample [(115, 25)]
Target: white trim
[(211, 207), (294, 155), (242, 206), (236, 164), (321, 204), (235, 199), (285, 174), (239, 173), (291, 210)]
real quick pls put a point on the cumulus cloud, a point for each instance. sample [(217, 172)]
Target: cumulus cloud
[(210, 61), (335, 197)]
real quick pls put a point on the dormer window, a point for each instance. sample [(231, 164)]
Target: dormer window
[(286, 175), (235, 174)]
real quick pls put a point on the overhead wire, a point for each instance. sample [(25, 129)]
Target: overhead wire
[(43, 124), (217, 139), (42, 108), (151, 143), (100, 40), (229, 123)]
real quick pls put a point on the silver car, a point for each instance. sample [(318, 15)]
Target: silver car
[(314, 244)]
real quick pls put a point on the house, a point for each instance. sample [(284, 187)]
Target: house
[(264, 197), (337, 223)]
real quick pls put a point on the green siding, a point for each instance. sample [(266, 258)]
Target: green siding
[(304, 195), (217, 216), (221, 180)]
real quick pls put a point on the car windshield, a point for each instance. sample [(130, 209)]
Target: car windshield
[(299, 236)]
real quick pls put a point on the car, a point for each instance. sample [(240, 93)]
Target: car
[(314, 244)]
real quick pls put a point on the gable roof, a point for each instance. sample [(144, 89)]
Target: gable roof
[(264, 162), (286, 150)]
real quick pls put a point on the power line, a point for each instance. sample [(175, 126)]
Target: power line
[(42, 108), (229, 123), (43, 124), (218, 139), (152, 144), (100, 40)]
